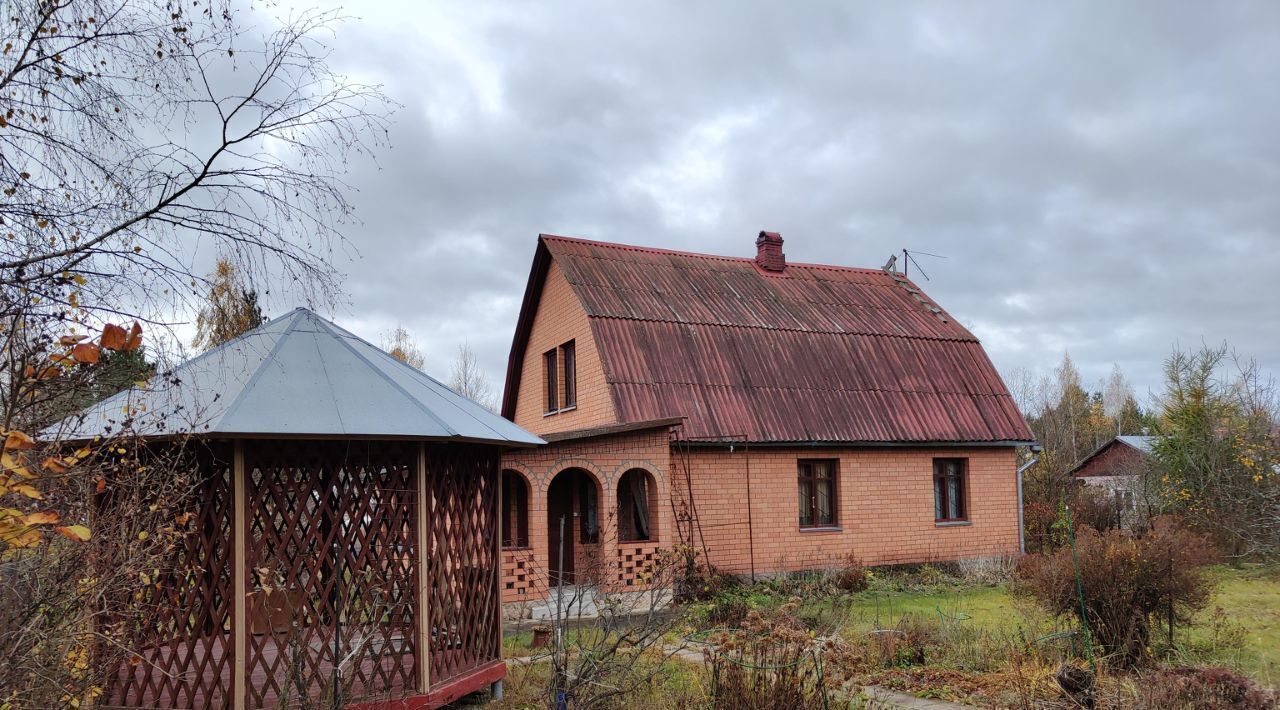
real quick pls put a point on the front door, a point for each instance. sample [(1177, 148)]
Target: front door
[(560, 497)]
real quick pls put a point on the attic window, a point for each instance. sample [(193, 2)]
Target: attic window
[(549, 367), (560, 378), (569, 354)]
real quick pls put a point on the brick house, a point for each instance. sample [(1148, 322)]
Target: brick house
[(780, 416), (1117, 467)]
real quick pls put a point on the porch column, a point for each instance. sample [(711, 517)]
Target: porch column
[(239, 580), (424, 585)]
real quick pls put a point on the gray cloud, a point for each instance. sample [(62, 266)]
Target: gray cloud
[(1101, 178)]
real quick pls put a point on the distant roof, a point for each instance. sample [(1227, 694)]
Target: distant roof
[(810, 353), (1142, 444), (297, 375)]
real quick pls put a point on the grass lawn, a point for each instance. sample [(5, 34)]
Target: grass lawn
[(1249, 597), (658, 685), (1240, 630), (986, 607)]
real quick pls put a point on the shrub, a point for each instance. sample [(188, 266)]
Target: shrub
[(1096, 507), (1209, 688), (772, 662), (853, 577), (911, 642), (1126, 579), (696, 579), (986, 571), (1038, 518), (728, 608)]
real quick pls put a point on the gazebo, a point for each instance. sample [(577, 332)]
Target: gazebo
[(346, 550)]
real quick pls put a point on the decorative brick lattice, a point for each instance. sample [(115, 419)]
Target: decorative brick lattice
[(519, 575), (635, 563)]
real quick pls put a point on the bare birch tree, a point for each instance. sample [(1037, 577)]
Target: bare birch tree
[(401, 346), (469, 380), (131, 133), (135, 136), (1116, 393)]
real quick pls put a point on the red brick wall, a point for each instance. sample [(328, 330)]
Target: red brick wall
[(885, 512), (606, 459), (561, 318), (1118, 460)]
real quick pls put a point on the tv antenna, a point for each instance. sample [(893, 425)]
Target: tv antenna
[(909, 258)]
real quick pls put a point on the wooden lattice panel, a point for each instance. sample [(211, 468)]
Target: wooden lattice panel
[(519, 575), (179, 630), (332, 558), (462, 562), (635, 564)]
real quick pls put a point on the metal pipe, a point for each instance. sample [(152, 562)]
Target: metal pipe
[(751, 530), (1022, 529)]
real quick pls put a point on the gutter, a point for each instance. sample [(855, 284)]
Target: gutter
[(1022, 529)]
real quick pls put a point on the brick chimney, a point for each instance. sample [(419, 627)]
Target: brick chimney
[(769, 254)]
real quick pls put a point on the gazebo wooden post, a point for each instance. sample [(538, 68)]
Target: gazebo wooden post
[(495, 688), (424, 584), (240, 617)]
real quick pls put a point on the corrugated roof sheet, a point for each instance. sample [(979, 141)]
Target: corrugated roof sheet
[(1141, 443), (815, 353), (297, 375)]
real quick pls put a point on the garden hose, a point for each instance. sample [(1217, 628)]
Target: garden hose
[(943, 616)]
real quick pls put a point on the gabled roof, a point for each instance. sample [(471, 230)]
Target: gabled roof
[(297, 375), (1141, 444), (810, 354)]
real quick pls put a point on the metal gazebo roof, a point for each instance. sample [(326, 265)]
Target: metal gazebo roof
[(297, 375)]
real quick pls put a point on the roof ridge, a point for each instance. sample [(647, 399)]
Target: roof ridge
[(904, 336), (395, 385), (413, 372), (262, 365), (809, 389), (703, 255), (932, 310)]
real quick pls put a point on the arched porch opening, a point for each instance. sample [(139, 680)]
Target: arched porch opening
[(637, 506), (573, 523), (515, 510)]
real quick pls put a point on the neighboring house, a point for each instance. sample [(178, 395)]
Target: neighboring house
[(780, 416), (1117, 466)]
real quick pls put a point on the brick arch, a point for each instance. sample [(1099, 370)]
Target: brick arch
[(659, 475), (533, 478), (561, 465), (526, 472)]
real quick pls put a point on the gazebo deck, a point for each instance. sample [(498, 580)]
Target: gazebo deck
[(394, 676)]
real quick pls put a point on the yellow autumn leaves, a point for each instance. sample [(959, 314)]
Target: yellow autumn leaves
[(21, 528)]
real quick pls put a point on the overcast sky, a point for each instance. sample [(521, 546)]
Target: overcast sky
[(1103, 178)]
